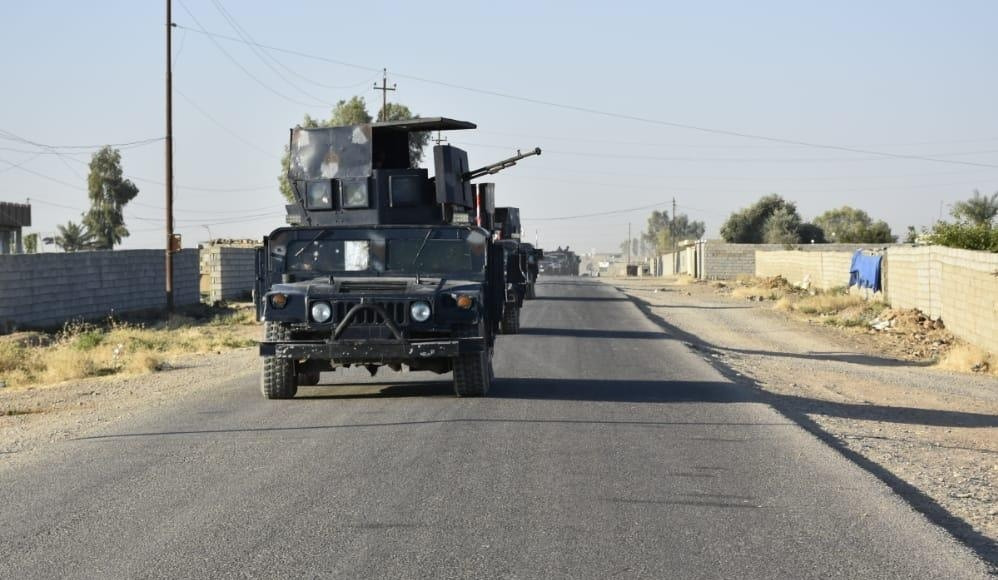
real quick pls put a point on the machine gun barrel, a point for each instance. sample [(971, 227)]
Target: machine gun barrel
[(500, 165)]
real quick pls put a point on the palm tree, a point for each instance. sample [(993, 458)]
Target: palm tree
[(979, 210), (72, 237)]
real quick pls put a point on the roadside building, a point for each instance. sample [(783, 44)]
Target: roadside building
[(13, 218)]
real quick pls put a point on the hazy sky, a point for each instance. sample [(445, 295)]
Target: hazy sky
[(905, 77)]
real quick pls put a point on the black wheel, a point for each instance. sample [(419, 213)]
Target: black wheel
[(473, 374), (511, 319), (278, 380)]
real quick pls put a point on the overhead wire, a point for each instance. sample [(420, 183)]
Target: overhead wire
[(246, 71), (222, 126), (630, 117), (263, 56)]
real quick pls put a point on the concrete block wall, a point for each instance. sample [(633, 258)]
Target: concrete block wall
[(958, 286), (721, 260), (913, 279), (46, 290), (822, 269), (230, 272)]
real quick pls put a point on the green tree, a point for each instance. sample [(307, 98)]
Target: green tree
[(978, 210), (782, 226), (748, 225), (71, 237), (109, 192), (963, 235), (661, 231), (30, 244), (811, 234), (850, 225)]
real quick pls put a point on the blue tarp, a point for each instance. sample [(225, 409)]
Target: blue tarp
[(865, 271)]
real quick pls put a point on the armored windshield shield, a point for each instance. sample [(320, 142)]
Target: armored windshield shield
[(331, 153)]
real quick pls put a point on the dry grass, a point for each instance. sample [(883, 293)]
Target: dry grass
[(82, 350), (964, 357), (758, 293)]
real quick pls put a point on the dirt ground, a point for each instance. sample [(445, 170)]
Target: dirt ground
[(37, 410), (931, 434)]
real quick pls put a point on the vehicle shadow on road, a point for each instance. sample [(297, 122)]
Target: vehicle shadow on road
[(581, 298), (798, 409), (591, 333)]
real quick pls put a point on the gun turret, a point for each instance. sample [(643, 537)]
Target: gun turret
[(500, 165)]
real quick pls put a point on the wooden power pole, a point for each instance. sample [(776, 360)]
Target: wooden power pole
[(169, 156), (384, 88)]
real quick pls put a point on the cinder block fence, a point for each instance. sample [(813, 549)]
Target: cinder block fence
[(45, 290)]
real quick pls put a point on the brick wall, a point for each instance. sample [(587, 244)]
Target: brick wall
[(45, 290), (228, 273)]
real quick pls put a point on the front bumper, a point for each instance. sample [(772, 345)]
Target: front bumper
[(368, 351)]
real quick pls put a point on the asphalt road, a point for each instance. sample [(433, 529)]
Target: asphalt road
[(606, 449)]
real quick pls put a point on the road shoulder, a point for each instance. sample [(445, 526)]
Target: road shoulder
[(929, 434)]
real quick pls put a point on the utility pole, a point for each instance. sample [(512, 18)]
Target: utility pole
[(440, 139), (384, 88), (628, 245), (672, 225), (169, 155), (672, 235)]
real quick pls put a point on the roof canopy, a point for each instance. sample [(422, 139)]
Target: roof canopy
[(423, 124)]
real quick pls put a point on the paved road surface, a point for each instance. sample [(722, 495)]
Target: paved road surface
[(606, 449)]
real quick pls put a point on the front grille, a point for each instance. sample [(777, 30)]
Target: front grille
[(348, 287), (397, 312)]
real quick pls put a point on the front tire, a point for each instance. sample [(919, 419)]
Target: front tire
[(278, 380), (473, 374), (511, 319)]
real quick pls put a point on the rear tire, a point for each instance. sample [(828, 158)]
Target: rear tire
[(473, 374), (278, 380), (511, 319)]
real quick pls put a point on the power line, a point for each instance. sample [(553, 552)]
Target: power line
[(219, 124), (635, 118), (598, 214), (240, 65), (252, 41), (601, 141), (699, 159), (7, 135), (262, 55)]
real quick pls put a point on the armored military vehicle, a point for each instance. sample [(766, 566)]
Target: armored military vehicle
[(508, 231), (382, 264), (532, 257)]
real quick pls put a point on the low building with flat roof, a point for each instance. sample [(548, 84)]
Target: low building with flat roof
[(13, 217)]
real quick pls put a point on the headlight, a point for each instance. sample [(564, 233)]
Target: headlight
[(321, 312), (420, 311)]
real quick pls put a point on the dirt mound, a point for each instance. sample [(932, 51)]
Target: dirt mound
[(915, 335)]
